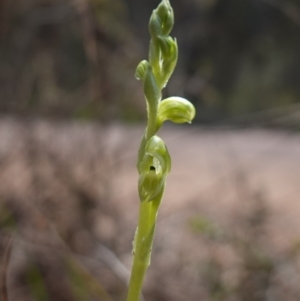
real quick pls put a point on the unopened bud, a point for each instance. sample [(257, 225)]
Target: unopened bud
[(151, 89), (166, 15), (162, 20), (169, 54)]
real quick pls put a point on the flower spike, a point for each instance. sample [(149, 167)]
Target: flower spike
[(154, 161)]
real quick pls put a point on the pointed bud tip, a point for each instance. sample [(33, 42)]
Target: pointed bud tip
[(162, 20)]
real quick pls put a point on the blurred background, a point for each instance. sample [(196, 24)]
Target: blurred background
[(71, 118)]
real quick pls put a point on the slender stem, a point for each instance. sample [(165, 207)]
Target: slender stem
[(142, 250), (152, 116), (136, 281)]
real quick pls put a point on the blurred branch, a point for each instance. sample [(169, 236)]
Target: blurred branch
[(74, 261), (112, 261), (288, 9), (6, 258), (101, 254), (90, 46)]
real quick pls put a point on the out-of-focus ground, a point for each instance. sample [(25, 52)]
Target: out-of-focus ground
[(228, 228)]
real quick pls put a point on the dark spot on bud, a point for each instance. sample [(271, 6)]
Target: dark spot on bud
[(152, 168)]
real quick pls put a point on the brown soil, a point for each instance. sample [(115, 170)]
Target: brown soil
[(221, 174)]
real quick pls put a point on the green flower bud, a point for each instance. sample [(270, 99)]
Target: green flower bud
[(166, 15), (155, 166), (168, 47), (141, 70), (176, 109), (169, 54), (151, 89), (156, 148), (162, 20), (155, 25), (155, 57)]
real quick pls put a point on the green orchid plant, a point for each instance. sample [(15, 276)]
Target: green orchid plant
[(154, 161)]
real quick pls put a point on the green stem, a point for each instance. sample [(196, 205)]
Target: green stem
[(152, 116), (136, 281), (142, 249)]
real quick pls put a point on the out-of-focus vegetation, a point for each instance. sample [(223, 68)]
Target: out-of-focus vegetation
[(67, 59), (66, 212), (76, 58)]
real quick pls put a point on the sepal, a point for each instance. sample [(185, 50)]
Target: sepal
[(176, 109), (141, 70)]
